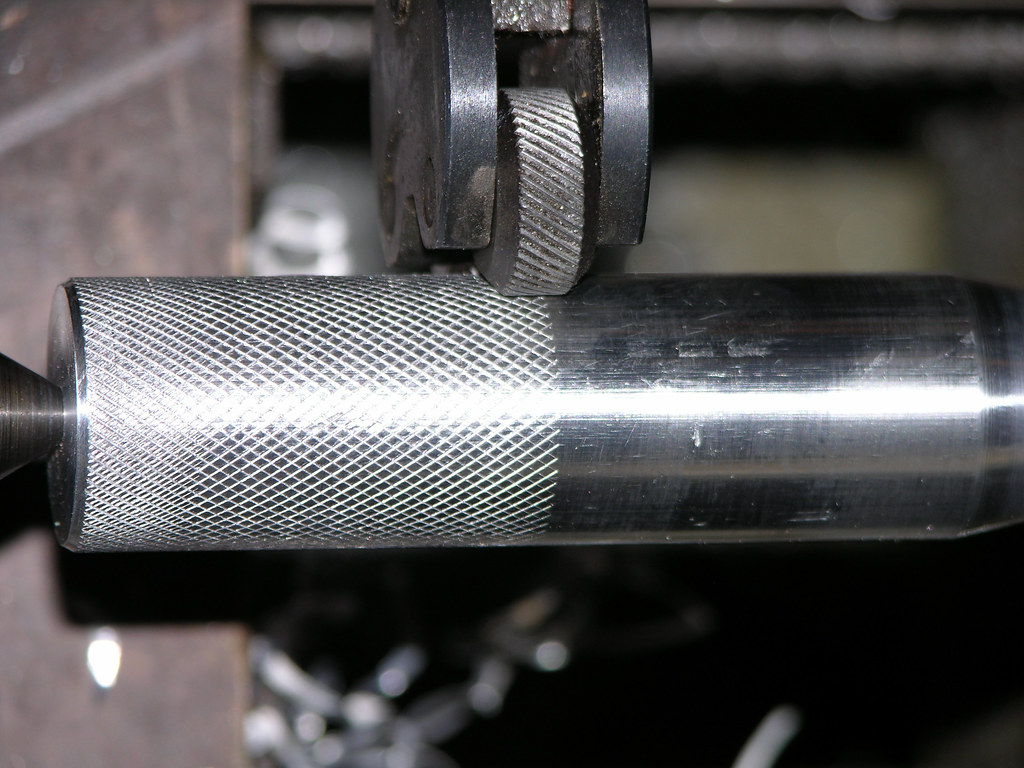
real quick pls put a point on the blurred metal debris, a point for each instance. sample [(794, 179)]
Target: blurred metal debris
[(303, 722), (283, 677), (399, 669), (770, 738), (394, 719)]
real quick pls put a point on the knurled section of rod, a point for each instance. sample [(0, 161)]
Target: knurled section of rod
[(538, 244), (310, 412)]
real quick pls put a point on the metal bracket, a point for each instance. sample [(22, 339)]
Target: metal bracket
[(435, 116)]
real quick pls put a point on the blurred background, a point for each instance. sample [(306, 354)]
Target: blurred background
[(208, 138)]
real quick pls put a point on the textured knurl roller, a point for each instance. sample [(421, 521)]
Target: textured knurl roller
[(539, 245)]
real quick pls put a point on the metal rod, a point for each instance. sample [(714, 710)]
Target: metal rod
[(31, 416), (332, 412)]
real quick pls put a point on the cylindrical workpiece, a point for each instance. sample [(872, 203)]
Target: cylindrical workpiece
[(334, 412)]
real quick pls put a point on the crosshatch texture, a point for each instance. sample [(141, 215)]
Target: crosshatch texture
[(311, 412)]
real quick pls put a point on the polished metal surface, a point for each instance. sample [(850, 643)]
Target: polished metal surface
[(741, 408), (31, 416), (538, 247), (318, 412)]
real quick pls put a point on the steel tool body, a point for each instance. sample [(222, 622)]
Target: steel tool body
[(417, 410)]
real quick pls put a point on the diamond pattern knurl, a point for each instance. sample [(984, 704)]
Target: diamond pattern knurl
[(312, 412), (549, 156)]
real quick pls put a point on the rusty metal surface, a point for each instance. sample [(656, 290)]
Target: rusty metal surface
[(121, 145), (178, 700)]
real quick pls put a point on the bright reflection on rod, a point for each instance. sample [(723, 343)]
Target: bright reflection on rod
[(373, 409), (905, 400)]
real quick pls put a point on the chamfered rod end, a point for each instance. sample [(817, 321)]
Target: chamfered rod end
[(31, 416)]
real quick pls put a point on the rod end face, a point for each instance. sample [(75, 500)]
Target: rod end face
[(66, 466)]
